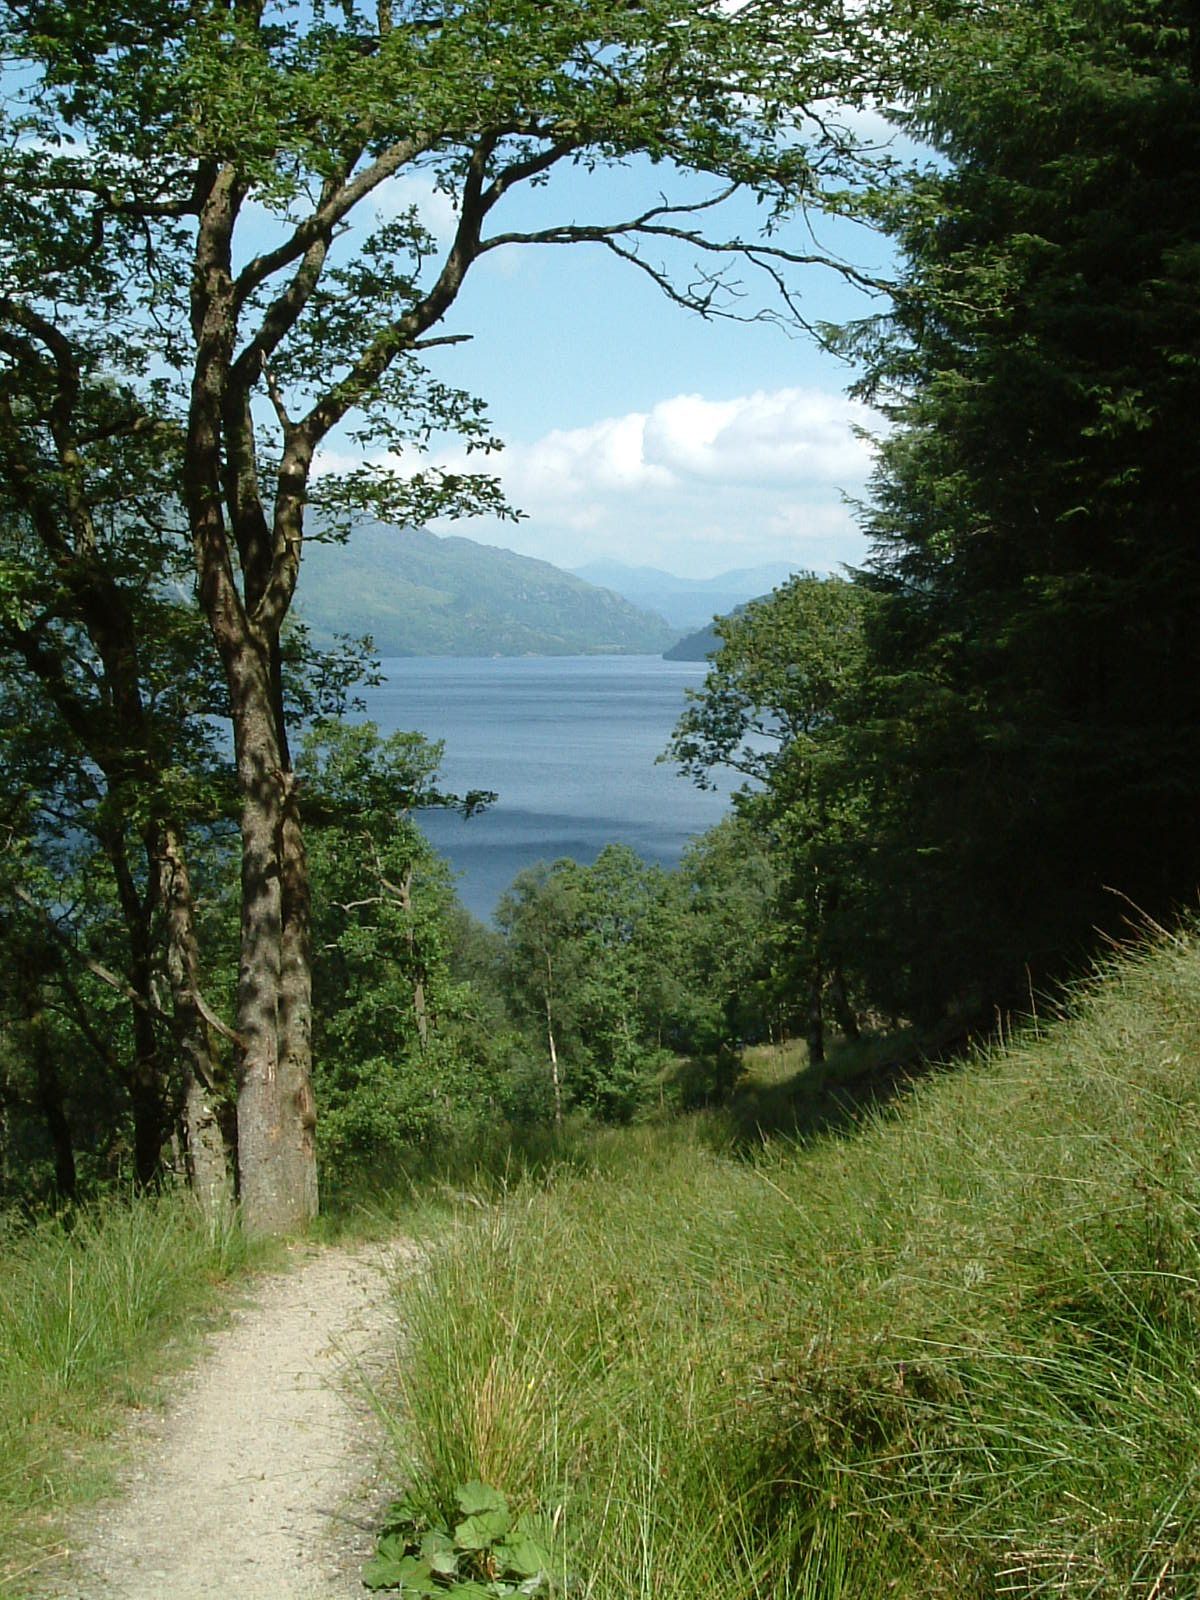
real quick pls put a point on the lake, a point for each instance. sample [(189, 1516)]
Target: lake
[(569, 745)]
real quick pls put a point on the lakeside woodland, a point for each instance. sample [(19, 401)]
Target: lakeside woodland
[(944, 1341)]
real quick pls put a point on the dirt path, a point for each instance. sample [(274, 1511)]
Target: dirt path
[(245, 1486)]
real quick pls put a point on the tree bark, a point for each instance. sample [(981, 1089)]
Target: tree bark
[(420, 1010), (276, 1112), (208, 1172), (295, 1009), (149, 1094), (815, 1021), (840, 1000), (53, 1108), (553, 1051)]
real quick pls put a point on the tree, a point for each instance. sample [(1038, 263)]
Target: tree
[(226, 159), (587, 964), (775, 707), (725, 893), (538, 917), (109, 680), (394, 1065), (1036, 715)]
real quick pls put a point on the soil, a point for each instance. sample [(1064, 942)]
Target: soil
[(261, 1480)]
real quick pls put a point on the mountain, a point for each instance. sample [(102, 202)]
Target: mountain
[(686, 602), (418, 594), (700, 645)]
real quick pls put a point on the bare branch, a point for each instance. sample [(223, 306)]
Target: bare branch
[(277, 400), (445, 338), (92, 965)]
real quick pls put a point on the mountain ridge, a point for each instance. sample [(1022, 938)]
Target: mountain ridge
[(688, 604), (423, 594)]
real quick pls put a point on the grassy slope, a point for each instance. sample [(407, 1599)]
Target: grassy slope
[(90, 1320), (418, 594), (953, 1353)]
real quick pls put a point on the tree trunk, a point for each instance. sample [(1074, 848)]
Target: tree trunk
[(208, 1173), (50, 1101), (420, 1010), (815, 1021), (295, 1009), (148, 1089), (553, 1051), (276, 1114), (275, 1111), (842, 1009)]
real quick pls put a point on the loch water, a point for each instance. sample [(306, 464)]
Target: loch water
[(567, 742)]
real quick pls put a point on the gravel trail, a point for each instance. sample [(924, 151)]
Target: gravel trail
[(253, 1482)]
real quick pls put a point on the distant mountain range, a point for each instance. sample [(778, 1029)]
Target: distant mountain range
[(421, 595), (686, 603)]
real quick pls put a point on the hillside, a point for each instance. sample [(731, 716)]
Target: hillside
[(686, 603), (700, 645), (949, 1353), (421, 595)]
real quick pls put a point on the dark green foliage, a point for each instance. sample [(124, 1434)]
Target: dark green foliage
[(775, 707), (722, 898), (1033, 723)]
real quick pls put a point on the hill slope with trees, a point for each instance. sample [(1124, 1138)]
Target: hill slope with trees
[(418, 594)]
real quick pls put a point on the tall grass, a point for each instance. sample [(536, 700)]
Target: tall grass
[(85, 1310), (952, 1352)]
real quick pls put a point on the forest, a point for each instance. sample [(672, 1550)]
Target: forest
[(230, 962)]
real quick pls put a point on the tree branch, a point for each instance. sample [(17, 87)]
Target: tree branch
[(328, 214)]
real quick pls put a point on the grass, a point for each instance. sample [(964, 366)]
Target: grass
[(952, 1350), (90, 1307)]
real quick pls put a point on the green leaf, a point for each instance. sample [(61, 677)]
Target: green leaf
[(475, 1497), (409, 1574), (438, 1549), (482, 1531), (523, 1555)]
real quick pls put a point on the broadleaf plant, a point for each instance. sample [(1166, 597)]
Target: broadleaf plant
[(488, 1554)]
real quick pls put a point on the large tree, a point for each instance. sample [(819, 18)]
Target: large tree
[(224, 169), (785, 681), (1036, 717), (108, 679)]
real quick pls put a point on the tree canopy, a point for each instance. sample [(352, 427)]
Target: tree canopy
[(189, 199)]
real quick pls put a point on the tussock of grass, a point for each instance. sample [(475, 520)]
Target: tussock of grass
[(952, 1352), (86, 1305)]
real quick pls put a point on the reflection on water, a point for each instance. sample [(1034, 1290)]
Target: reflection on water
[(569, 745)]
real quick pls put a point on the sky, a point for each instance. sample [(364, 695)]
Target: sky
[(636, 431)]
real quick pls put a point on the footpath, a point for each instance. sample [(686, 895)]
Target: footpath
[(260, 1481)]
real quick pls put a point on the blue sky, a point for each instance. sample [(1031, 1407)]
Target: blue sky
[(637, 431), (634, 430)]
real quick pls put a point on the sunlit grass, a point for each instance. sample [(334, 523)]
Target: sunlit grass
[(87, 1306), (950, 1351)]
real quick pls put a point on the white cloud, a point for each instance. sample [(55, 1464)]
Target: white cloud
[(695, 484), (434, 207), (787, 436)]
